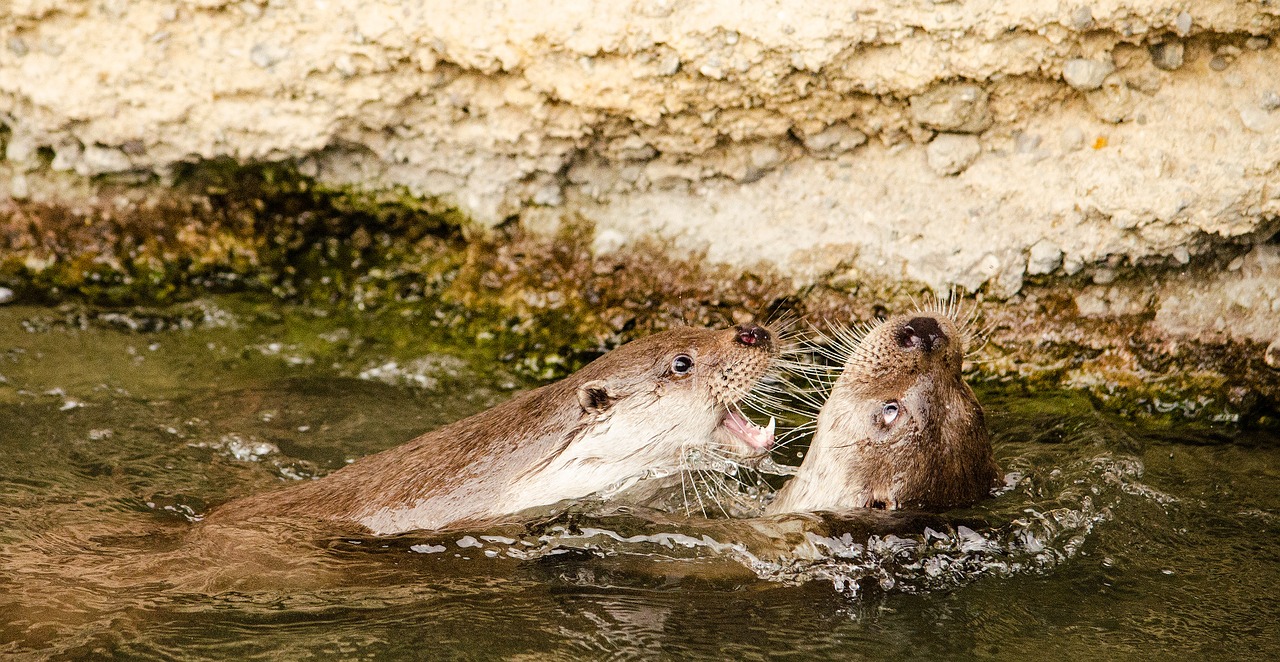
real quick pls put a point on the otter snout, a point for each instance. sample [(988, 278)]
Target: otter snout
[(752, 335), (922, 333)]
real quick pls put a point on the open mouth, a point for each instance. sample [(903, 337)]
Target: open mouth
[(741, 428)]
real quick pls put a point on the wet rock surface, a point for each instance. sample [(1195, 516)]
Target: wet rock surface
[(801, 128), (1194, 331), (951, 153), (1126, 147)]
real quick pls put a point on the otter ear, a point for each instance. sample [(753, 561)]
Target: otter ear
[(595, 397)]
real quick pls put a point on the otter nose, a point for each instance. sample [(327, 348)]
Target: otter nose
[(923, 333), (754, 336)]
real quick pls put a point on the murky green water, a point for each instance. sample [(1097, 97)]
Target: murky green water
[(1114, 539)]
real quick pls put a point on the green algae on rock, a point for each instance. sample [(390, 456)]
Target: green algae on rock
[(547, 302)]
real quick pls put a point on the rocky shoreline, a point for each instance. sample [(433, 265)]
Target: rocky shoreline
[(1099, 176), (556, 303)]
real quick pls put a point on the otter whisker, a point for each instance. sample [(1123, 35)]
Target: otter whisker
[(712, 488), (770, 406), (684, 490), (794, 434), (770, 411), (796, 366), (693, 482), (782, 398), (723, 486), (782, 320), (773, 407), (797, 433)]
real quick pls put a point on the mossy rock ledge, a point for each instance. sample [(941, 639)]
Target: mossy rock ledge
[(1099, 179)]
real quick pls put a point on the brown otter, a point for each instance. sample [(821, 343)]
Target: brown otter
[(901, 428), (633, 411)]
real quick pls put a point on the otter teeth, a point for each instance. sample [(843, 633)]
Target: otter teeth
[(758, 438)]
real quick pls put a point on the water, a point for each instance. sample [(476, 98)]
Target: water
[(1114, 538)]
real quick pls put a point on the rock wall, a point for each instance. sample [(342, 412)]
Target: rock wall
[(977, 143)]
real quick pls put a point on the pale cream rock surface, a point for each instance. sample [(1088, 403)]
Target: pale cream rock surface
[(793, 134)]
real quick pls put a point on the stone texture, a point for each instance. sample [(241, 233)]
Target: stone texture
[(1168, 55), (793, 134), (835, 140), (1113, 101), (958, 108), (951, 153), (1085, 75), (1242, 303), (1045, 258)]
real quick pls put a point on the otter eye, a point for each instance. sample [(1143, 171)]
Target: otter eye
[(889, 412), (682, 364)]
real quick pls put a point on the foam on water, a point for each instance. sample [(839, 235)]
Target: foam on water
[(1110, 538)]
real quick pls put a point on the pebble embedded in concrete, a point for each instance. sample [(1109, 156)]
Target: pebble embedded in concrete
[(1257, 43), (266, 55), (1009, 281), (1167, 55), (18, 188), (1045, 258), (1223, 57), (1072, 139), (765, 156), (835, 139), (251, 10), (6, 295), (951, 153), (1082, 19), (344, 65), (1259, 120), (1183, 24), (957, 108), (1272, 355), (66, 155), (1085, 75), (98, 160), (1025, 143), (981, 272), (549, 195), (1113, 102)]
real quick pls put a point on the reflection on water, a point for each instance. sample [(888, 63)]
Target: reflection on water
[(117, 431)]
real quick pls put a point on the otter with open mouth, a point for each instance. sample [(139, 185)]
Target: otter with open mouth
[(633, 412), (901, 429)]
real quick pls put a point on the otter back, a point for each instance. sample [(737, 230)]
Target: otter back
[(636, 409)]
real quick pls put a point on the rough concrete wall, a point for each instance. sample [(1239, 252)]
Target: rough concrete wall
[(976, 142)]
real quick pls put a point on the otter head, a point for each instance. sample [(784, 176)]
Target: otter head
[(647, 406), (683, 386), (900, 429)]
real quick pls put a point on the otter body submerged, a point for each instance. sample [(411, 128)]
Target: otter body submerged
[(633, 411)]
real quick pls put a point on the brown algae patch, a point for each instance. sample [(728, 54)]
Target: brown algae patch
[(547, 304)]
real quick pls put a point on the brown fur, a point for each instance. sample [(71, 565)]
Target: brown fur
[(464, 473), (934, 455)]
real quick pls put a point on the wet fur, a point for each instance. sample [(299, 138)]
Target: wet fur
[(937, 454), (612, 421)]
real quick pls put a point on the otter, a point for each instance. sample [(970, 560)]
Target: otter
[(901, 429), (635, 411)]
